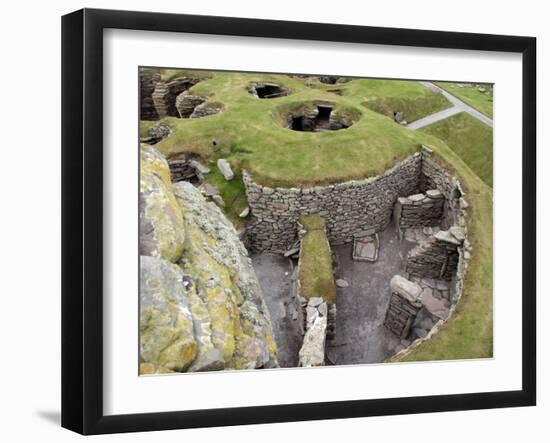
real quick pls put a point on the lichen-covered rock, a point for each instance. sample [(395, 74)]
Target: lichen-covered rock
[(167, 336), (312, 352), (161, 223), (152, 369), (205, 311), (226, 283)]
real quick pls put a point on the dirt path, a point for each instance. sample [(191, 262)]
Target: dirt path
[(458, 106)]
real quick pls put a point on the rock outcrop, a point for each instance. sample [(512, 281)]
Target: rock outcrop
[(201, 307)]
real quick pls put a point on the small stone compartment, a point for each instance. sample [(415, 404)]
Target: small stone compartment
[(187, 169), (165, 94), (268, 90), (317, 116)]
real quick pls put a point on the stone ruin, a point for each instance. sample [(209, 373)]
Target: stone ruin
[(156, 133), (147, 84), (172, 99), (418, 196), (191, 170), (332, 80), (318, 313), (365, 248), (165, 94), (196, 106), (318, 118), (268, 90)]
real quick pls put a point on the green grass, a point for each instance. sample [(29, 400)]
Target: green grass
[(469, 93), (277, 156), (316, 277), (232, 192), (411, 98), (471, 139), (144, 127)]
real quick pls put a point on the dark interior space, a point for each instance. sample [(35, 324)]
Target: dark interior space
[(270, 91), (297, 123), (323, 116)]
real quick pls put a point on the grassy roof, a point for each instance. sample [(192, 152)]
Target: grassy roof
[(250, 132), (471, 139), (315, 274)]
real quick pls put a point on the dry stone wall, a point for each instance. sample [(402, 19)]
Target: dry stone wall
[(147, 83), (437, 257), (405, 302), (435, 177), (445, 255), (165, 94), (420, 209), (354, 208)]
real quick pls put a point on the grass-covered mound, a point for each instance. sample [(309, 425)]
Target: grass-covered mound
[(471, 94), (411, 98), (471, 139), (315, 274), (284, 113), (249, 132)]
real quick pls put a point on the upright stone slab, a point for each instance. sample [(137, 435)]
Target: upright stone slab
[(405, 302), (437, 257)]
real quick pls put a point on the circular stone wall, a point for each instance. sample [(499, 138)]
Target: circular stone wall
[(316, 116), (268, 90)]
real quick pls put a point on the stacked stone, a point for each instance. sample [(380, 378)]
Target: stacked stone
[(420, 209), (312, 352), (186, 104), (433, 176), (352, 208), (157, 133), (405, 302), (206, 109), (147, 83), (164, 95), (438, 256), (181, 170)]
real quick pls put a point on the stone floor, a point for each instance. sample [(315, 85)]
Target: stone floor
[(420, 234), (274, 274), (361, 307)]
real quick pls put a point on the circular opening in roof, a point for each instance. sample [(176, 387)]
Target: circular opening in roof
[(317, 116)]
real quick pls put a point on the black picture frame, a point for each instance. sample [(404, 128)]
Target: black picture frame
[(82, 220)]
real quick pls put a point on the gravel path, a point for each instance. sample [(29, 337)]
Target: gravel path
[(458, 106)]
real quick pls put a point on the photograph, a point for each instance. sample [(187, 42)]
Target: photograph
[(300, 220)]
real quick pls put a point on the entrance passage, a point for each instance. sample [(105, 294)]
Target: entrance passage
[(323, 117), (297, 123), (268, 90)]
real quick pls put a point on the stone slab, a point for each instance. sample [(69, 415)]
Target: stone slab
[(366, 248), (434, 305), (406, 288)]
